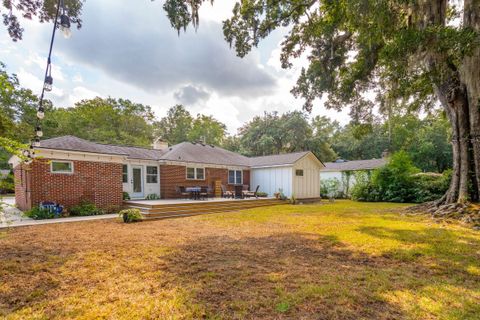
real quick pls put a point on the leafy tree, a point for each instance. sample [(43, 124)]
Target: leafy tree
[(412, 49), (431, 150), (233, 143), (262, 135), (207, 129), (115, 121), (289, 132), (355, 142), (43, 9), (175, 126)]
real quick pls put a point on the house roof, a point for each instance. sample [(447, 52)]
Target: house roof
[(183, 152), (204, 153), (72, 143), (277, 159), (354, 165)]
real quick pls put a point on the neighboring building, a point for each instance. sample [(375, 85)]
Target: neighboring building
[(69, 169), (344, 171)]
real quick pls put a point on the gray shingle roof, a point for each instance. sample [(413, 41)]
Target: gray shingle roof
[(354, 165), (204, 153), (277, 159), (184, 152), (71, 143)]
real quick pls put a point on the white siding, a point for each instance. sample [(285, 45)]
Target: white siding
[(339, 176), (272, 179), (308, 185)]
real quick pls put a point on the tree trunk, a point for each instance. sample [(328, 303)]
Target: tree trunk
[(470, 77), (459, 93)]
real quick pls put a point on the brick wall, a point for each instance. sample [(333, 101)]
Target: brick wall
[(22, 179), (172, 176), (98, 182)]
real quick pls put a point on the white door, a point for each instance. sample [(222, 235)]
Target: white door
[(137, 182)]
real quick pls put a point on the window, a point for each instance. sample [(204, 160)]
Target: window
[(125, 174), (299, 173), (195, 173), (235, 177), (152, 174), (200, 173), (61, 167), (191, 173)]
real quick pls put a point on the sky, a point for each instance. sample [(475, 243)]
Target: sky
[(127, 49)]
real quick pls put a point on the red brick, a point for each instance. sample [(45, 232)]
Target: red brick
[(97, 182)]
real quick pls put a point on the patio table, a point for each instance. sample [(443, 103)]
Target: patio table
[(194, 191)]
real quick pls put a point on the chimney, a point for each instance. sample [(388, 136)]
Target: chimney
[(159, 144)]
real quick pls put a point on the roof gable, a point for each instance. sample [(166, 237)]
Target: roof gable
[(279, 159)]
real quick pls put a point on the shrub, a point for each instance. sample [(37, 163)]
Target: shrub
[(262, 194), (38, 213), (431, 186), (125, 196), (395, 180), (364, 189), (130, 215), (152, 196), (85, 208), (329, 188), (400, 181)]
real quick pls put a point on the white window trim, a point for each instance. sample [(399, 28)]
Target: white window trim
[(151, 174), (235, 177), (195, 173), (61, 172)]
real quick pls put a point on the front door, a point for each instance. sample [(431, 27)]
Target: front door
[(137, 182)]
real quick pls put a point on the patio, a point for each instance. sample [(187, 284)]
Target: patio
[(169, 208)]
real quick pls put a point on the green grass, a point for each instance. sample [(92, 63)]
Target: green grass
[(342, 260)]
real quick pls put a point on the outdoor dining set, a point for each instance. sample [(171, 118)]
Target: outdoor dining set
[(204, 192)]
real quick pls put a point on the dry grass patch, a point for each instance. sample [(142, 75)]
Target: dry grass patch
[(344, 260)]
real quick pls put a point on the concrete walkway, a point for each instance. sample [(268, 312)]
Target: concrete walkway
[(12, 217)]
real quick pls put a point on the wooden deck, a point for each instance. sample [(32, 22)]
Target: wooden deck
[(161, 209)]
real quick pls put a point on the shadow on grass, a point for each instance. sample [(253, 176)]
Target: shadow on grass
[(288, 275), (449, 249)]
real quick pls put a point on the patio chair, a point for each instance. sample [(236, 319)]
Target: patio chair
[(226, 193), (182, 192), (248, 194), (204, 193)]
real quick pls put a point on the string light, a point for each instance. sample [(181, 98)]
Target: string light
[(64, 23), (39, 132)]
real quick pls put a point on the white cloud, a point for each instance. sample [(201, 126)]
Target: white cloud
[(146, 62)]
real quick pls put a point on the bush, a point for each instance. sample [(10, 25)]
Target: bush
[(39, 214), (262, 194), (85, 208), (130, 215), (400, 181), (125, 196), (152, 196), (7, 184), (364, 189), (395, 180), (431, 186), (329, 188)]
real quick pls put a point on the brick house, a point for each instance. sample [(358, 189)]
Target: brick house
[(68, 170)]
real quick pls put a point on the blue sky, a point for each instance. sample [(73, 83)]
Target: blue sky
[(128, 50)]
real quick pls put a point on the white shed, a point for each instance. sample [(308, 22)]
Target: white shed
[(297, 174)]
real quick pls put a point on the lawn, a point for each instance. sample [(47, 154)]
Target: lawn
[(341, 260)]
